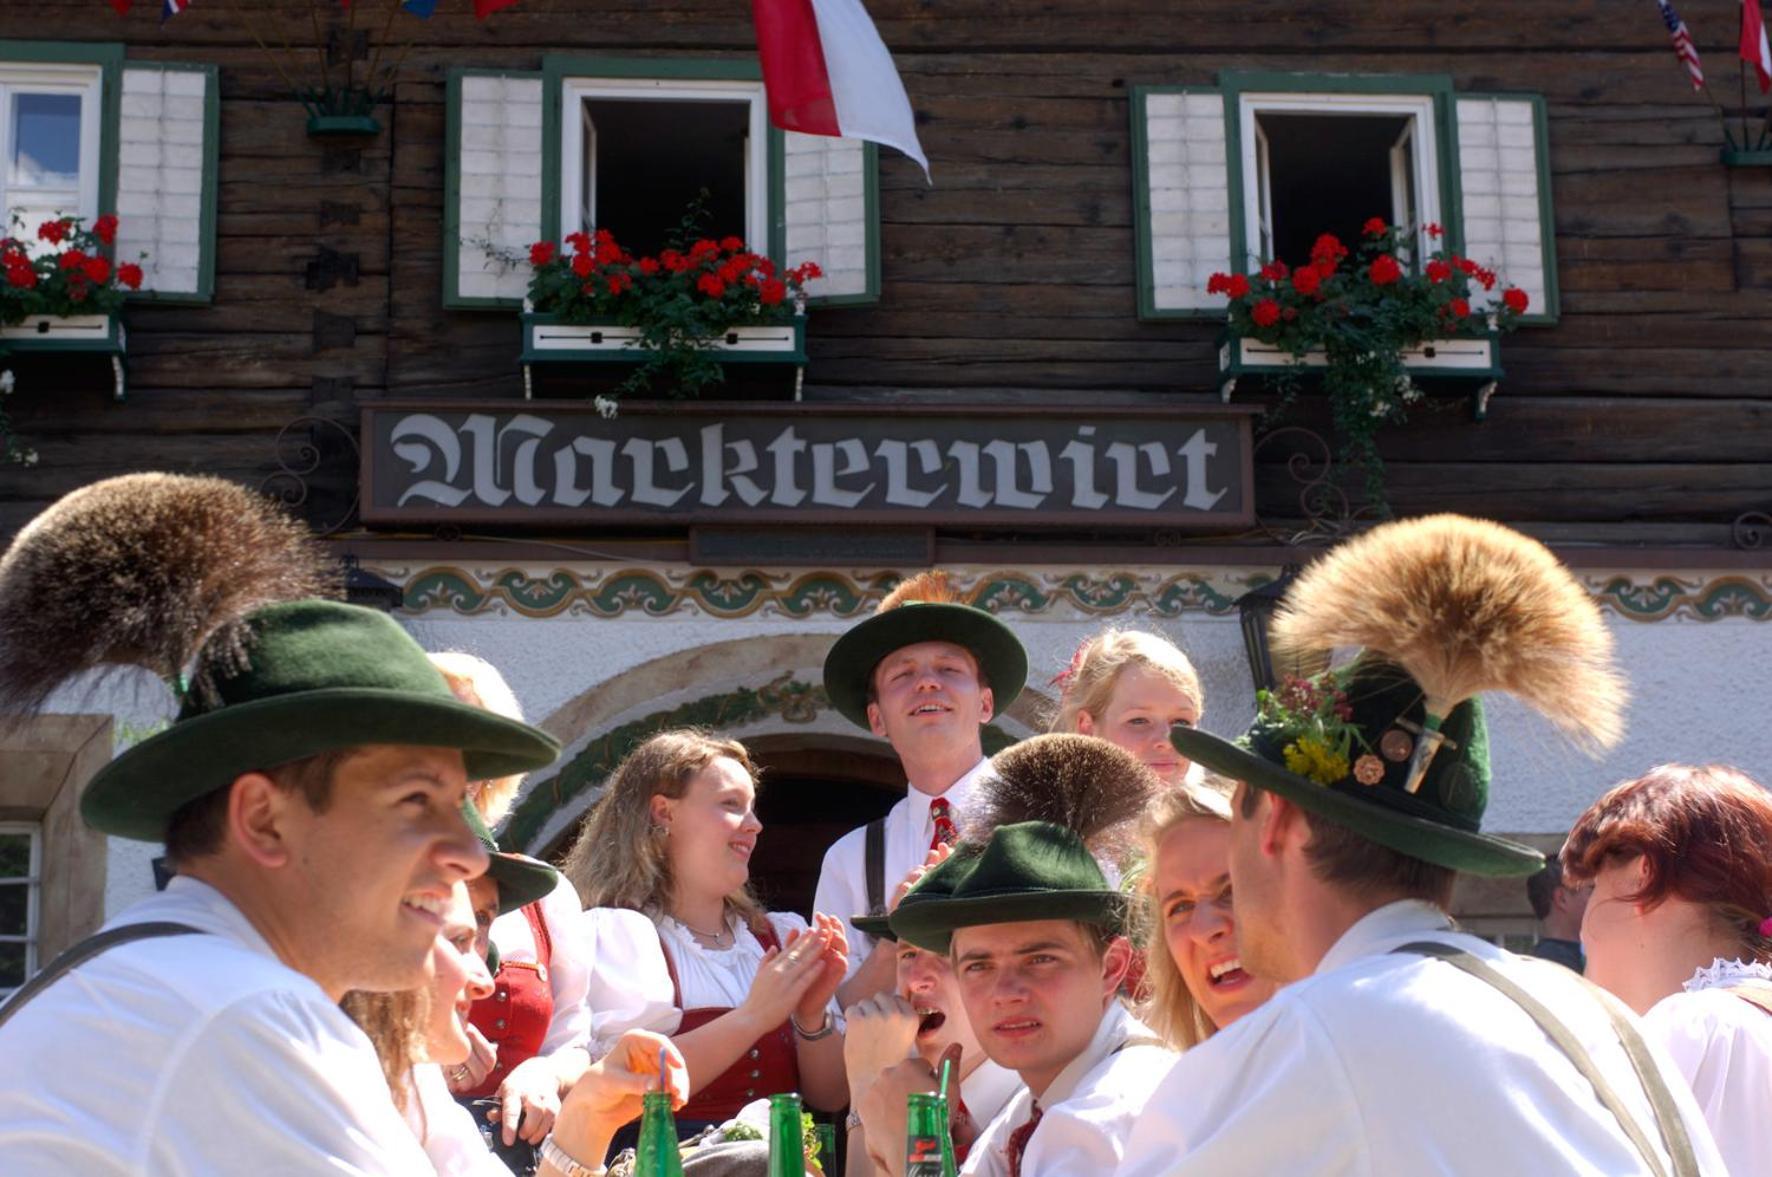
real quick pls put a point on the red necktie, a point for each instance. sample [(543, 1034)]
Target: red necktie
[(1018, 1141), (946, 833)]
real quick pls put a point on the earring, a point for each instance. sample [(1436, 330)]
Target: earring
[(660, 831)]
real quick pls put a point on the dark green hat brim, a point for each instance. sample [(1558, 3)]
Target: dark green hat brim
[(877, 926), (931, 925), (521, 881), (1471, 852), (135, 794), (849, 667)]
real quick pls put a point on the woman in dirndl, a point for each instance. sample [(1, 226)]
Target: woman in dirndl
[(681, 947)]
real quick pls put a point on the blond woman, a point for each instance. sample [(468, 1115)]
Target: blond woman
[(1130, 687)]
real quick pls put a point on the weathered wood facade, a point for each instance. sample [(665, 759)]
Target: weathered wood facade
[(1641, 416)]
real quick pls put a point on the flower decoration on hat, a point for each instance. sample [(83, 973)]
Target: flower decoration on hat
[(1314, 720)]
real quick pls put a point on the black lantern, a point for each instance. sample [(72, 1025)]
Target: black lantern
[(363, 587), (1255, 611)]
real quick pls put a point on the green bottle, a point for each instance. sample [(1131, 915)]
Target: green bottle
[(826, 1135), (657, 1155), (787, 1143), (928, 1146)]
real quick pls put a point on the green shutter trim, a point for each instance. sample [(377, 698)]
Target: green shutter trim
[(777, 189), (1141, 201), (871, 195), (206, 239), (108, 56), (1547, 219), (452, 185)]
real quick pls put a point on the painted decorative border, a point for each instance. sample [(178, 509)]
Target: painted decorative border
[(784, 697), (1635, 596)]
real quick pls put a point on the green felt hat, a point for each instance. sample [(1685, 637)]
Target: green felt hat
[(521, 880), (1031, 870), (877, 926), (849, 667), (321, 676), (1364, 789)]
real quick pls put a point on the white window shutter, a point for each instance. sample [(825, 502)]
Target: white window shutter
[(492, 210), (830, 209), (166, 178), (1182, 204), (1505, 193)]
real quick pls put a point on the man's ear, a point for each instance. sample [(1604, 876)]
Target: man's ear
[(876, 722), (1115, 960), (1277, 819), (987, 706), (259, 814)]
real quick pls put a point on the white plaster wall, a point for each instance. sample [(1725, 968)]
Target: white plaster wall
[(1701, 690)]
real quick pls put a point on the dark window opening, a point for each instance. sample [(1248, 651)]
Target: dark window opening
[(1329, 174), (647, 162)]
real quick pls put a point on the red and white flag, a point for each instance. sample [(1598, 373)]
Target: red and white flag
[(1684, 49), (827, 72), (1754, 49)]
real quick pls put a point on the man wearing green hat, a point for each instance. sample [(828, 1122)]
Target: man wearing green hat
[(925, 673), (1398, 1044), (310, 795), (1034, 932)]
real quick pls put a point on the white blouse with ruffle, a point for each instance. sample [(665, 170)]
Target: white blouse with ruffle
[(1723, 1045)]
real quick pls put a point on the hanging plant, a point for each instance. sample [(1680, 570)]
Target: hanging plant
[(1361, 311)]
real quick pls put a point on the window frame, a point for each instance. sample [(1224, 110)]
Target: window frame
[(729, 79), (47, 56), (84, 81), (1424, 94), (33, 934)]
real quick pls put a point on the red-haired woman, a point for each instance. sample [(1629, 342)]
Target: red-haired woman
[(1680, 927)]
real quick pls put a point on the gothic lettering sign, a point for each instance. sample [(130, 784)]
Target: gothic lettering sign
[(544, 463)]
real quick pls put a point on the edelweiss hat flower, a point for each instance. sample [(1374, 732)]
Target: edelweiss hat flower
[(1393, 746)]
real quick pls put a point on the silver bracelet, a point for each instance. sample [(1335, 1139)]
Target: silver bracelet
[(553, 1154), (825, 1028)]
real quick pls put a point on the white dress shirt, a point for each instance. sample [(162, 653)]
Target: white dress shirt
[(843, 882), (446, 1129), (1382, 1064), (630, 987), (1087, 1111), (1723, 1045), (186, 1056), (569, 964)]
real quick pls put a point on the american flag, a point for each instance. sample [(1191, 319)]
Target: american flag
[(1684, 49)]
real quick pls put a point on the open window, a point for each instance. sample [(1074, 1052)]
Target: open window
[(21, 867), (50, 149), (1324, 163), (638, 154), (1234, 175)]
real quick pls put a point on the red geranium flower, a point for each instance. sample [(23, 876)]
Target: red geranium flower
[(710, 285), (1465, 264), (1432, 230), (98, 269), (649, 266), (72, 260), (1384, 270), (1327, 251), (772, 291), (580, 241), (541, 253), (1458, 308), (731, 244), (581, 264), (54, 232), (1274, 271), (1438, 271), (1219, 283), (1486, 277), (619, 282), (1307, 280), (703, 248), (673, 261), (21, 277), (805, 272), (1237, 286), (1374, 227), (105, 228), (1516, 300), (1265, 313), (130, 275)]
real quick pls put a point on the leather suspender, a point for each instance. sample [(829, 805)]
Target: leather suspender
[(874, 865), (1753, 995), (84, 951), (1671, 1126)]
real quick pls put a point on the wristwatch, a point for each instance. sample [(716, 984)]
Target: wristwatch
[(825, 1028), (553, 1154)]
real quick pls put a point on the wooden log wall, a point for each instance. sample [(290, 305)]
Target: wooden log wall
[(1641, 416)]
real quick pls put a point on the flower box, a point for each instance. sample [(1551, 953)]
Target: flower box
[(1471, 362), (55, 334), (548, 341)]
